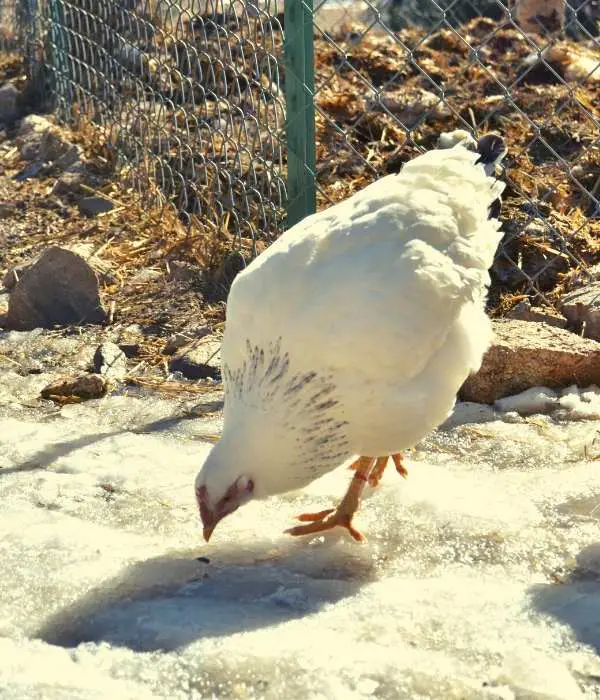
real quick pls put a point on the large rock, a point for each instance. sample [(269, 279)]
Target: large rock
[(84, 250), (61, 288), (582, 308), (525, 355)]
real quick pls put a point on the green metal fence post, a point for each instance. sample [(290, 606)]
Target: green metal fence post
[(300, 109)]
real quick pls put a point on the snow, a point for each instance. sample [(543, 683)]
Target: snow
[(479, 578)]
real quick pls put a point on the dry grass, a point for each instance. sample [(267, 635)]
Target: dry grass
[(362, 132), (378, 105)]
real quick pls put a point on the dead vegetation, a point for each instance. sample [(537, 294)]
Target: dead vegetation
[(381, 101), (175, 243)]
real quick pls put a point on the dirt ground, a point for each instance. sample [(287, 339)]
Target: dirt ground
[(378, 105)]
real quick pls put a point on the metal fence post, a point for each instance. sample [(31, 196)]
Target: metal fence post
[(300, 109)]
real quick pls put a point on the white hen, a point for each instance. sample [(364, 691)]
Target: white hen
[(353, 332)]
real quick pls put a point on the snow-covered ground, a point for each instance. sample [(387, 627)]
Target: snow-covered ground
[(480, 578)]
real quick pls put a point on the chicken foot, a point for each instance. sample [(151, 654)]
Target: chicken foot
[(343, 514)]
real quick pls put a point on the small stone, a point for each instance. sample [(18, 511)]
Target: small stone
[(94, 205), (29, 171), (69, 159), (511, 417), (9, 104), (525, 355), (41, 141), (60, 288), (70, 181), (199, 360), (146, 275), (76, 389), (582, 308), (110, 361)]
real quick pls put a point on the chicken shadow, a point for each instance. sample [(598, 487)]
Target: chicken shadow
[(168, 602), (575, 601)]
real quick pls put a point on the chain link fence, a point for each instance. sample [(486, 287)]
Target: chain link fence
[(204, 98), (391, 77), (189, 92), (11, 39)]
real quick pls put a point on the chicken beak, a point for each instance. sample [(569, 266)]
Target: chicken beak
[(210, 520), (208, 531)]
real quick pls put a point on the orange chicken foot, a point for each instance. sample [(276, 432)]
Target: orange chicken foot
[(343, 514)]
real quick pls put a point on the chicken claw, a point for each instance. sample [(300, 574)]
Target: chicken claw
[(343, 514)]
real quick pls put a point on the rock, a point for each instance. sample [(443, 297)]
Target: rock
[(60, 288), (199, 360), (29, 171), (535, 400), (180, 340), (110, 361), (85, 250), (33, 123), (70, 181), (523, 311), (94, 205), (76, 389), (46, 147), (40, 140), (9, 104), (146, 275), (525, 355), (185, 273), (582, 309)]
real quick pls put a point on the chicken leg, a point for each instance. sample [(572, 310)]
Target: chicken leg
[(343, 514), (379, 468)]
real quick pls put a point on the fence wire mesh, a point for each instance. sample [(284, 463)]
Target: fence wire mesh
[(193, 93), (189, 91), (10, 28), (391, 77)]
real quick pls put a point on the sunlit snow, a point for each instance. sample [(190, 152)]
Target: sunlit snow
[(480, 578)]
